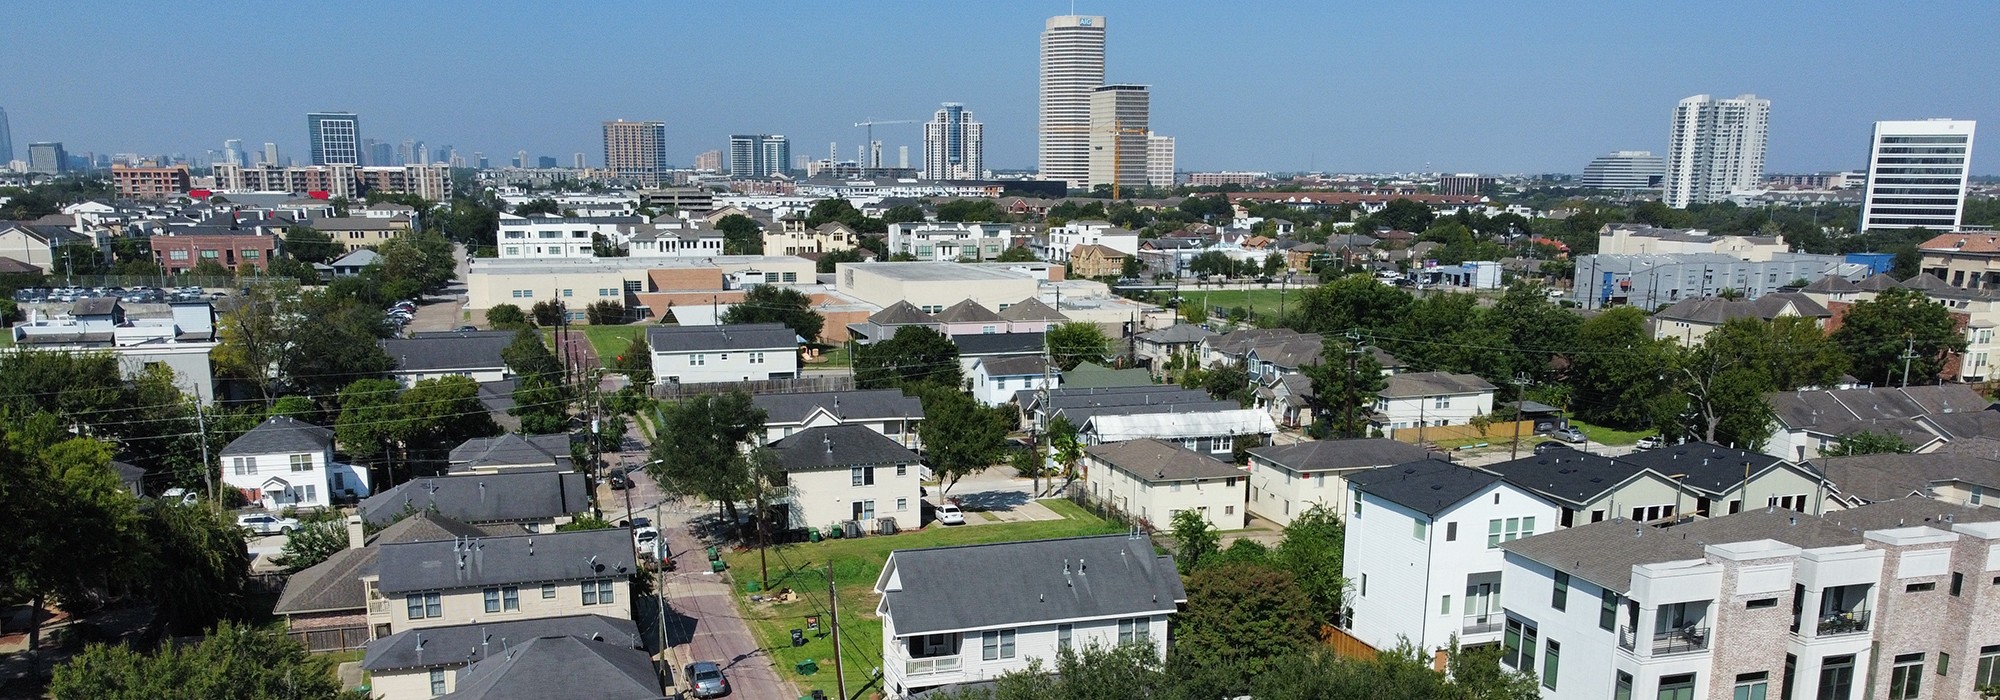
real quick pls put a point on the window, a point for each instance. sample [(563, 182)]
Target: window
[(1622, 691), (1560, 599), (996, 645), (697, 360), (1836, 677), (1607, 611), (1680, 687), (302, 463), (1752, 686), (1229, 510), (1364, 585), (1441, 402), (1062, 637), (1508, 530), (510, 598), (249, 254), (1355, 495), (1551, 656), (1761, 603), (902, 504), (1957, 583), (437, 682), (177, 255), (1421, 530), (1134, 630), (211, 254), (1944, 663), (1518, 645), (864, 510), (1978, 495), (1444, 605), (757, 358), (1451, 532), (569, 292), (597, 592), (861, 476), (548, 591), (1794, 502), (605, 292), (243, 465), (1920, 587), (902, 470), (424, 605), (492, 600), (1906, 681), (1988, 672)]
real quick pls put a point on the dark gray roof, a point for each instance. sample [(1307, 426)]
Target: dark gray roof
[(449, 350), (458, 645), (335, 584), (1324, 455), (1877, 282), (512, 559), (1240, 341), (1154, 461), (1091, 374), (1031, 309), (967, 311), (1013, 365), (512, 450), (1883, 477), (1432, 384), (561, 668), (1428, 486), (1290, 353), (972, 344), (1567, 475), (1710, 468), (901, 313), (280, 435), (839, 447), (1015, 583), (1072, 398), (859, 405), (741, 336), (131, 474), (1177, 334), (1833, 284), (483, 498)]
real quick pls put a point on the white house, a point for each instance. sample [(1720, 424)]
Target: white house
[(946, 241), (431, 355), (1414, 399), (1210, 429), (727, 353), (972, 613), (407, 665), (889, 412), (1065, 238), (1423, 543), (1286, 480), (849, 472), (996, 379), (541, 237), (285, 462), (1154, 481), (672, 242)]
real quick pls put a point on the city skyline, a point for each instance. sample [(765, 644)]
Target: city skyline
[(1561, 84)]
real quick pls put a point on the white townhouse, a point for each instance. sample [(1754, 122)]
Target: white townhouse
[(1154, 481), (996, 380), (542, 237), (972, 613), (285, 462), (1424, 557), (728, 353), (1286, 480), (1065, 238), (1415, 399), (946, 241), (889, 412), (848, 472)]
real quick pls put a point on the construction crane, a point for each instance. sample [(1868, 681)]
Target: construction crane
[(1118, 131), (870, 124)]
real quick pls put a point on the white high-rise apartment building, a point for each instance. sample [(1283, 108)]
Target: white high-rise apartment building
[(1916, 174), (1717, 148), (1118, 135), (954, 144), (1159, 160), (1072, 67), (1625, 170)]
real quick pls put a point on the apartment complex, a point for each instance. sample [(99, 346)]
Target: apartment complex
[(1072, 65), (1159, 160), (759, 155), (334, 138), (954, 145), (1917, 174), (1119, 135), (1717, 148), (636, 151), (1625, 170), (150, 182), (432, 182)]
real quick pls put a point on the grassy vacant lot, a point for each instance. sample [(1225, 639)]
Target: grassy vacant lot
[(856, 564), (1258, 301), (1609, 436), (608, 340)]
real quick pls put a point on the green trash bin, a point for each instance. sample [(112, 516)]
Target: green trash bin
[(806, 667), (717, 566), (753, 586), (714, 554), (812, 534)]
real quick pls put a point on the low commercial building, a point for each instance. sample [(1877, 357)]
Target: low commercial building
[(649, 287), (1286, 480), (181, 341), (1651, 281), (1640, 239), (933, 286), (728, 353), (844, 473), (1154, 481), (179, 249)]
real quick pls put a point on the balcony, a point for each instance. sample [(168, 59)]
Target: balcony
[(1684, 640), (1484, 624), (378, 606), (931, 666), (1844, 623)]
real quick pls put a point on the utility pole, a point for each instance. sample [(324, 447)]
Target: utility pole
[(1353, 356), (1909, 353), (1520, 380), (207, 472), (833, 611)]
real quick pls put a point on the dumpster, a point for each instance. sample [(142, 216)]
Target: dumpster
[(806, 667)]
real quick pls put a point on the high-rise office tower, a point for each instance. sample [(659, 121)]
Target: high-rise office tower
[(1625, 170), (334, 137), (1159, 160), (271, 153), (954, 144), (758, 155), (1072, 66), (1118, 142), (479, 160), (903, 157), (6, 140), (232, 151), (636, 151), (576, 161), (708, 160), (47, 158), (1717, 148), (1917, 174), (545, 162)]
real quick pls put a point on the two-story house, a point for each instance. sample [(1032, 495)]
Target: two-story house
[(995, 380), (1423, 399), (512, 452), (1809, 423), (288, 463), (839, 473), (889, 412), (727, 353), (431, 662), (1211, 428), (1154, 481), (471, 354), (1423, 542), (796, 240), (561, 667), (1286, 480), (536, 501), (481, 580), (1063, 240), (972, 613), (1155, 349), (1674, 481), (325, 606), (1961, 475)]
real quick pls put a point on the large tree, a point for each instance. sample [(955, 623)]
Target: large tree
[(1195, 541), (307, 244), (330, 342), (540, 393), (1312, 550), (741, 235), (1075, 342), (1241, 614), (1622, 376), (233, 662), (440, 413), (1345, 381), (1351, 303), (254, 336), (1877, 333), (370, 417), (960, 435), (914, 355), (769, 303), (416, 263), (698, 446)]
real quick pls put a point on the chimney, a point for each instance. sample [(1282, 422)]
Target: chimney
[(357, 536)]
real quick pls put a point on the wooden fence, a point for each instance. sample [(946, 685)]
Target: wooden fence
[(1345, 645), (331, 638), (807, 383), (1497, 430)]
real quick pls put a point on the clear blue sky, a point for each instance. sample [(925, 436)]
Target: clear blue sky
[(1349, 86)]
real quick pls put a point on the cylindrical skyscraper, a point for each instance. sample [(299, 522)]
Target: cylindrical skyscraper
[(1072, 66)]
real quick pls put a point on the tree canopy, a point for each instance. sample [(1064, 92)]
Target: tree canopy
[(234, 662), (914, 355), (697, 448), (1876, 333), (768, 303), (1075, 342)]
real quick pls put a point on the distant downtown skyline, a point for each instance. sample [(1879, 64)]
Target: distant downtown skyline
[(1538, 88)]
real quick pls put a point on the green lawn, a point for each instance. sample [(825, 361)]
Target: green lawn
[(1609, 436), (856, 564), (1258, 301), (608, 340)]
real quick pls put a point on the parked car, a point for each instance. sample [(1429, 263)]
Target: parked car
[(644, 538), (950, 515), (181, 496), (705, 680), (1648, 442), (1542, 448), (1570, 435), (618, 481), (267, 524), (467, 329)]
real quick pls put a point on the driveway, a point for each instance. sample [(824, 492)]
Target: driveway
[(443, 312)]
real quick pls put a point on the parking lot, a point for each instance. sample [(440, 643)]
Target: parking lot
[(129, 295)]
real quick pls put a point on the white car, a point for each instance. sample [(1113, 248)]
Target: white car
[(950, 515), (267, 524), (644, 538), (1648, 442)]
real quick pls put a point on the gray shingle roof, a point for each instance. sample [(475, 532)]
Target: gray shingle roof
[(459, 645), (860, 405), (1015, 583), (1013, 365), (280, 435), (1833, 284), (741, 336), (972, 344), (1604, 552), (1324, 455), (1883, 477), (839, 447), (901, 313), (1427, 486), (968, 311), (335, 584), (1240, 341), (1156, 462), (1432, 384), (448, 350), (512, 450), (483, 498), (514, 559), (1031, 309), (561, 668), (1177, 334), (360, 258)]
